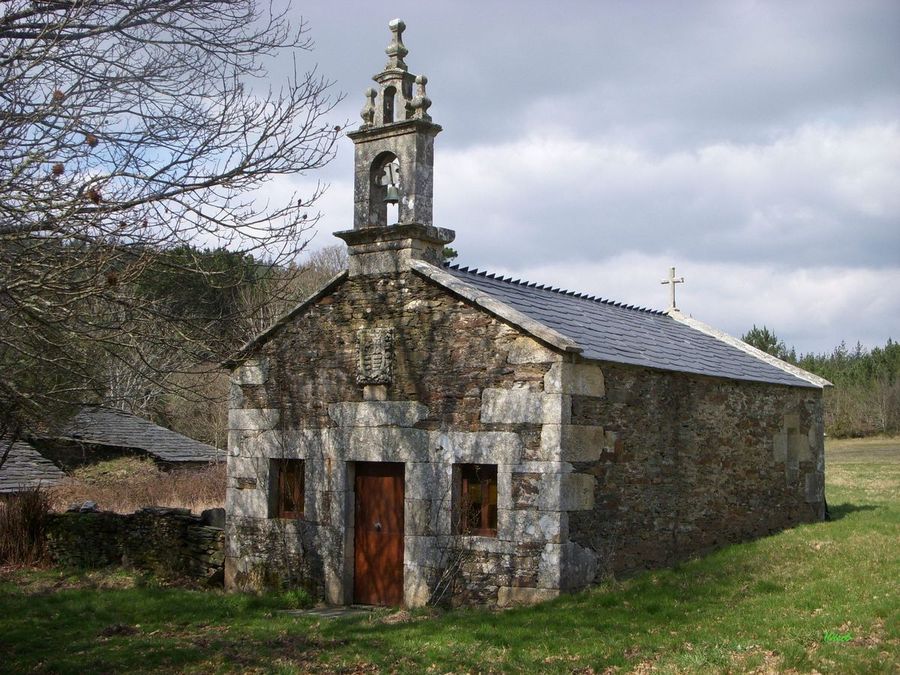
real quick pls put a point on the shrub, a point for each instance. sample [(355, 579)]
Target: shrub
[(23, 527)]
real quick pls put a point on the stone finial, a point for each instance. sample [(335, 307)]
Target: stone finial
[(368, 111), (420, 103), (396, 50)]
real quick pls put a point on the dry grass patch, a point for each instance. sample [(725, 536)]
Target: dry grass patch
[(126, 484)]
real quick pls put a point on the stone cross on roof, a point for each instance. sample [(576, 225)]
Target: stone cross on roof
[(672, 281)]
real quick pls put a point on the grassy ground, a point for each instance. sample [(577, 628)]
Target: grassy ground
[(819, 597)]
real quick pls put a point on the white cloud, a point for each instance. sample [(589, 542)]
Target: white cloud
[(803, 306), (756, 145), (817, 195)]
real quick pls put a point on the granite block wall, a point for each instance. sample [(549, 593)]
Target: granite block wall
[(466, 388), (602, 468)]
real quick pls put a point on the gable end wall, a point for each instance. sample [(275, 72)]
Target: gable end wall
[(467, 388)]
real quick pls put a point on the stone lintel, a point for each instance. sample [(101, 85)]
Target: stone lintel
[(377, 413), (476, 447), (293, 444), (523, 406)]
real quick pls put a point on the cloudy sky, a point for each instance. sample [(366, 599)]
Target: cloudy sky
[(592, 145)]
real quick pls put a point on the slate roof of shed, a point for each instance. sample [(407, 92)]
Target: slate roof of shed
[(610, 331), (107, 426), (26, 468)]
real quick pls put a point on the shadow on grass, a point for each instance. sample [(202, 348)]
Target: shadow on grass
[(838, 511), (717, 605)]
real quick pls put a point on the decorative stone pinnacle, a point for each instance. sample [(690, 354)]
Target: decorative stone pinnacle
[(396, 50), (368, 111), (420, 103)]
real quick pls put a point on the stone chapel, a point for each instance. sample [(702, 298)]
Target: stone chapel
[(415, 432)]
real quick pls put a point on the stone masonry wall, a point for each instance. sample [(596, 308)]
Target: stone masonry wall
[(167, 542), (466, 388), (685, 464)]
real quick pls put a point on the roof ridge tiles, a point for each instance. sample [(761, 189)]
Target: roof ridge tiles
[(560, 291)]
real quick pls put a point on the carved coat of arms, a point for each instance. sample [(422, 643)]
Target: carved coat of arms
[(376, 355)]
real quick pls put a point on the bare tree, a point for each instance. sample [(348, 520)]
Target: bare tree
[(264, 303), (129, 128)]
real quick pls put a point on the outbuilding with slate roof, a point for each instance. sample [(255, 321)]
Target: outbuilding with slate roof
[(24, 468), (97, 433), (418, 433)]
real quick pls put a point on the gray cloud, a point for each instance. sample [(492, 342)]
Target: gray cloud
[(604, 141)]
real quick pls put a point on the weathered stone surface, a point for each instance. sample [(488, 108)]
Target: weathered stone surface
[(422, 517), (528, 350), (578, 566), (247, 502), (575, 443), (511, 406), (377, 413), (253, 418), (531, 525), (583, 379), (486, 447), (429, 480), (576, 491), (416, 586), (380, 444), (556, 408), (252, 372), (421, 550), (263, 553)]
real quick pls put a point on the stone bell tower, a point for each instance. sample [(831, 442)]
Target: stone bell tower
[(394, 164)]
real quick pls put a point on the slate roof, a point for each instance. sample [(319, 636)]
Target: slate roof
[(107, 426), (26, 468), (611, 331)]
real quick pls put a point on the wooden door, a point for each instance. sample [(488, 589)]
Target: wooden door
[(378, 534)]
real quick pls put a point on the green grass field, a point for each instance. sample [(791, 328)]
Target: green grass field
[(820, 597)]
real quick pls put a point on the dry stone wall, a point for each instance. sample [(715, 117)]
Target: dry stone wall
[(170, 543)]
